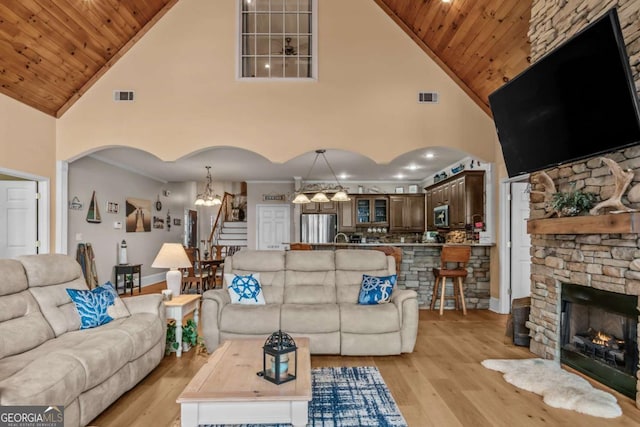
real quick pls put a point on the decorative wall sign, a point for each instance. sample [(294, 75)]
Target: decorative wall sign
[(177, 222), (274, 197), (158, 222), (113, 207), (138, 215), (75, 204)]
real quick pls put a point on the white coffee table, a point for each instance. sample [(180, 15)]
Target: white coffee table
[(226, 390), (179, 307)]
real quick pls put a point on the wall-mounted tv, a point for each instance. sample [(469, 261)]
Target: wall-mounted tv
[(577, 101)]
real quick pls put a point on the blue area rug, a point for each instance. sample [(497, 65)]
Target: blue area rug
[(350, 397)]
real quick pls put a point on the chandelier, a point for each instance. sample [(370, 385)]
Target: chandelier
[(208, 198), (320, 192)]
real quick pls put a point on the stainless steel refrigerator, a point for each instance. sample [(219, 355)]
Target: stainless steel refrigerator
[(318, 228)]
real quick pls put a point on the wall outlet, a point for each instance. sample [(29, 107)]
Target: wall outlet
[(117, 225), (78, 237)]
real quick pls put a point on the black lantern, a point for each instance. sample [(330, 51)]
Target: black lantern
[(280, 358)]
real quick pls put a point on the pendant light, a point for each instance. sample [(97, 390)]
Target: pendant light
[(320, 195), (208, 198)]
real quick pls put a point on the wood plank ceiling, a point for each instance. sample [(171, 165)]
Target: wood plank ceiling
[(52, 51), (481, 44)]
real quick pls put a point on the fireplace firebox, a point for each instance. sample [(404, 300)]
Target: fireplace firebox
[(599, 335)]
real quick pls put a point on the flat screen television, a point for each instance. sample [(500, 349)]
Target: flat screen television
[(577, 101)]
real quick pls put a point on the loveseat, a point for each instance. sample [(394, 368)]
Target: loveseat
[(45, 359), (314, 294)]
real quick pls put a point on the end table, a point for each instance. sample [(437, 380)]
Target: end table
[(124, 269)]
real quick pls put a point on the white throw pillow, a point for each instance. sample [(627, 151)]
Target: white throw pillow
[(245, 289), (118, 309)]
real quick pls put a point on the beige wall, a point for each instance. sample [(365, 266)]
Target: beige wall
[(188, 97), (28, 145)]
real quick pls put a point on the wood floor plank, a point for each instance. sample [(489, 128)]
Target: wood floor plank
[(440, 384)]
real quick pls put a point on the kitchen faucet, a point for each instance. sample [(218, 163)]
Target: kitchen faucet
[(346, 238)]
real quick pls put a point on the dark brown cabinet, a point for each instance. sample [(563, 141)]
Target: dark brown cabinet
[(323, 208), (372, 210), (346, 216), (406, 213), (463, 193)]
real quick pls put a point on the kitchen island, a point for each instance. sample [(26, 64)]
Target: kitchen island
[(417, 263)]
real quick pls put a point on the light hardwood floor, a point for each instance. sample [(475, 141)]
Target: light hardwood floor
[(440, 384)]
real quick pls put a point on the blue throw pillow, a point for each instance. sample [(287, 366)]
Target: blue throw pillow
[(245, 289), (376, 289), (92, 305)]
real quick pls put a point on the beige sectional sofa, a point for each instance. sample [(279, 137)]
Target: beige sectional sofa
[(315, 294), (45, 359)]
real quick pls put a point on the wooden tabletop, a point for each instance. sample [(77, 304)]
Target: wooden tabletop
[(230, 374), (181, 299)]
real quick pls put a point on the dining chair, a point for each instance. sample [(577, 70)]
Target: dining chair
[(451, 254), (196, 274)]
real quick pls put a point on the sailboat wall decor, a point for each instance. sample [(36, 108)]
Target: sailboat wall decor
[(93, 215)]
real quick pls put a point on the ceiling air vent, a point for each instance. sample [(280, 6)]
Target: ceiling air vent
[(123, 95), (428, 97)]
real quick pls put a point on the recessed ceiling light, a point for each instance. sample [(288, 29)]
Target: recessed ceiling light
[(399, 176), (343, 176), (412, 167), (429, 156)]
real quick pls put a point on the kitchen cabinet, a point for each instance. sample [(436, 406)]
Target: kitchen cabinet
[(463, 193), (406, 213), (346, 216), (372, 210), (319, 208)]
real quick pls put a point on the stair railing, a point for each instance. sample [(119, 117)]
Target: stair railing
[(223, 212)]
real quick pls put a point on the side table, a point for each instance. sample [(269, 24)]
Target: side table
[(125, 269), (177, 309)]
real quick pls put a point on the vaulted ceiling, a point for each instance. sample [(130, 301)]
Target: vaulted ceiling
[(52, 51)]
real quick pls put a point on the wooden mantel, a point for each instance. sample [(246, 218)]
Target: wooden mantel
[(598, 224)]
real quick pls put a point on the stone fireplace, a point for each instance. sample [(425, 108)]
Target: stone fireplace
[(605, 257)]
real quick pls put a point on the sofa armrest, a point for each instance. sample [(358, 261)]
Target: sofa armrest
[(213, 302), (151, 303), (406, 302)]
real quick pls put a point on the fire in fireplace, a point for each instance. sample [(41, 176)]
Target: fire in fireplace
[(599, 335)]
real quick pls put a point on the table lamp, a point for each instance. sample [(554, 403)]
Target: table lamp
[(172, 256)]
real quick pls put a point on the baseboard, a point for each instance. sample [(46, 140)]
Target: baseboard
[(494, 305), (153, 279)]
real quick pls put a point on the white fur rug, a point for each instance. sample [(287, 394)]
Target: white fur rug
[(559, 388)]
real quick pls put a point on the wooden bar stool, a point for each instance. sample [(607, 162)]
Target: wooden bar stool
[(451, 254)]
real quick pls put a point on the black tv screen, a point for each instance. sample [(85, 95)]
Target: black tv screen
[(577, 101)]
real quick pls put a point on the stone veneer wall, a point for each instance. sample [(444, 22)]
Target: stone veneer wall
[(603, 261), (416, 272)]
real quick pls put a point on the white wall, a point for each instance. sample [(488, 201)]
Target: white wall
[(115, 185)]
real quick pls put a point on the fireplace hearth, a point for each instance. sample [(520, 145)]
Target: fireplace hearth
[(599, 335)]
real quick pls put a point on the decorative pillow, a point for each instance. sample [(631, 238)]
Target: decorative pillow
[(245, 289), (92, 305), (118, 310), (376, 289)]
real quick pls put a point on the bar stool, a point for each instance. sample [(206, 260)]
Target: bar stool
[(451, 254)]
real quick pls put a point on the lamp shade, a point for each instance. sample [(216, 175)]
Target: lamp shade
[(171, 255), (301, 198), (320, 197), (340, 196)]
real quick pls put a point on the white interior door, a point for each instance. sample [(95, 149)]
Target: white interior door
[(18, 218), (273, 226), (520, 241)]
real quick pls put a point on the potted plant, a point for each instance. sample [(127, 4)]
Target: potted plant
[(189, 335), (573, 202), (172, 344)]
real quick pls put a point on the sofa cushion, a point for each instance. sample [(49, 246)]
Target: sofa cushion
[(270, 265), (92, 305), (310, 318), (310, 277), (352, 264), (22, 325), (250, 319), (144, 330), (245, 289), (53, 379), (369, 319), (376, 289), (49, 276)]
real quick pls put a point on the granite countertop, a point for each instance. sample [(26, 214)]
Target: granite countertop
[(343, 244)]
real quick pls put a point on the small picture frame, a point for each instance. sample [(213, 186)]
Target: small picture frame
[(177, 222), (413, 188), (399, 190), (113, 207)]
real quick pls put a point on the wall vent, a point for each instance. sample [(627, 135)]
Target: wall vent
[(428, 97), (123, 95)]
